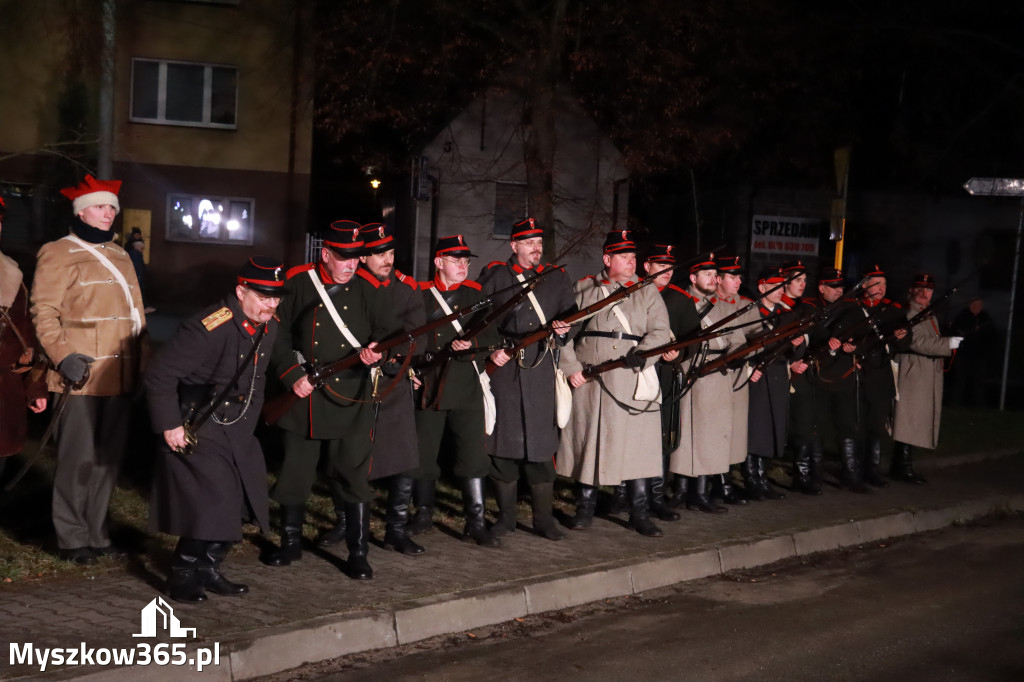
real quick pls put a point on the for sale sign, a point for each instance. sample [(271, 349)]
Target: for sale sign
[(779, 235)]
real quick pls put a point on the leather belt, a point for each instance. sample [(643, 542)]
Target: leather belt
[(610, 335)]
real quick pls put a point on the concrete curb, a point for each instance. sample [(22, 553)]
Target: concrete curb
[(277, 649)]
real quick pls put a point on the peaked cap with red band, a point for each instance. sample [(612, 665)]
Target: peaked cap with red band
[(662, 253), (875, 271), (707, 264), (454, 246), (728, 264), (922, 281), (377, 238), (791, 267), (264, 275), (831, 277), (343, 238), (619, 241), (526, 229), (93, 192), (771, 276)]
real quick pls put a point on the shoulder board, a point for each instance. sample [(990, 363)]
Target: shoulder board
[(551, 266), (813, 302), (582, 279), (676, 287), (494, 263), (217, 318), (299, 269), (424, 286), (690, 296), (744, 298), (370, 279), (406, 279), (893, 303), (471, 284)]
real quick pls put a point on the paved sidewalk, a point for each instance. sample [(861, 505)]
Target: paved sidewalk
[(310, 611)]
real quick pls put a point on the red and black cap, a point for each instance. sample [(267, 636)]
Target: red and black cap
[(793, 267), (729, 265), (708, 263), (264, 275), (526, 229), (662, 253), (454, 246), (376, 238), (343, 238), (875, 271), (93, 192), (771, 276), (922, 281), (619, 241), (831, 277)]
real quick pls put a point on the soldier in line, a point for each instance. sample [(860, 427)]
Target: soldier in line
[(452, 394), (877, 346), (614, 432), (525, 432), (333, 311), (919, 407), (88, 314), (204, 491)]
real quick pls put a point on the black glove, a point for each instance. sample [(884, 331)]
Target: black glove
[(633, 359), (74, 367)]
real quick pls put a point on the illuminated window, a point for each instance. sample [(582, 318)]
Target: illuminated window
[(184, 93), (510, 206), (213, 220)]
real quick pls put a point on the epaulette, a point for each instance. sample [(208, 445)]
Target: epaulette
[(744, 298), (369, 277), (217, 318), (405, 279), (471, 284), (424, 286), (690, 296), (676, 287), (813, 302), (587, 277), (299, 269), (894, 303)]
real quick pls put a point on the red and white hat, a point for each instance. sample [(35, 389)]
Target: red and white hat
[(93, 192)]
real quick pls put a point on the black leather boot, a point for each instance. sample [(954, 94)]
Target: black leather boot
[(766, 484), (659, 507), (423, 496), (185, 584), (396, 518), (679, 485), (700, 499), (334, 535), (902, 468), (619, 503), (507, 512), (639, 509), (357, 538), (542, 496), (724, 489), (586, 504), (475, 529), (802, 471), (751, 472), (873, 464), (852, 478), (291, 537), (817, 466), (213, 580)]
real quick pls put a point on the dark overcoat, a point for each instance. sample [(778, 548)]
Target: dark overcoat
[(768, 412), (524, 389), (204, 495)]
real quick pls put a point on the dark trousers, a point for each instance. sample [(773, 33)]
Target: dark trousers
[(91, 437), (507, 470), (467, 431), (347, 471)]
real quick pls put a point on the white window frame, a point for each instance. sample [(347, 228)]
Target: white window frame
[(161, 96)]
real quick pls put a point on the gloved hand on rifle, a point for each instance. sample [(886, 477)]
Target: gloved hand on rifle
[(74, 367), (634, 360)]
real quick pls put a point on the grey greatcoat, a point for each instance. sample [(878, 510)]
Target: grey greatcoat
[(204, 495), (524, 389), (738, 380), (919, 406), (611, 437), (705, 442)]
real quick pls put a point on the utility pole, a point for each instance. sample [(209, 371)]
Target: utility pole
[(105, 158)]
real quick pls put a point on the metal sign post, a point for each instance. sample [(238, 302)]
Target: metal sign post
[(1004, 187)]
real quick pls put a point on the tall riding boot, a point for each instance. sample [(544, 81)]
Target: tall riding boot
[(334, 535), (658, 505), (817, 466), (873, 462), (357, 538), (766, 484), (699, 497), (802, 471), (184, 583), (619, 503), (902, 468), (423, 496), (507, 512), (213, 580), (292, 516), (586, 503), (724, 489), (751, 472), (639, 509), (473, 506), (679, 486), (542, 497), (396, 518), (852, 477)]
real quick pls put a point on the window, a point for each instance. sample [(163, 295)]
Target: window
[(510, 206), (214, 220), (184, 93)]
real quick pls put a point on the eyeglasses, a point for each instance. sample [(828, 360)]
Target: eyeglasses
[(265, 300), (456, 261)]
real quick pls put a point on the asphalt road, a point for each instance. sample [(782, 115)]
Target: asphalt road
[(939, 607)]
